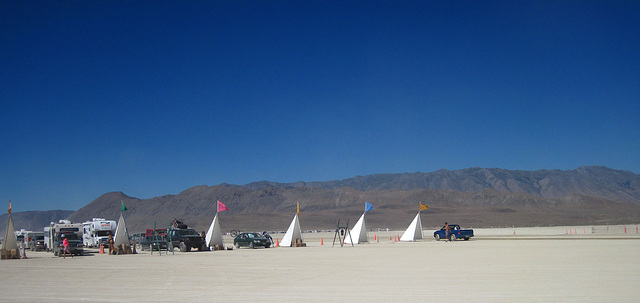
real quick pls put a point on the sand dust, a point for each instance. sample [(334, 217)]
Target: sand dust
[(534, 265)]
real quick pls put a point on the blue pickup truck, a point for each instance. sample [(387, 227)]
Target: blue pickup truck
[(456, 233)]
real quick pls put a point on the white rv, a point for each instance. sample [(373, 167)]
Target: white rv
[(65, 229), (96, 232)]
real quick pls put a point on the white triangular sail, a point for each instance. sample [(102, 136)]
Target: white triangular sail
[(214, 234), (122, 236), (414, 232), (359, 232), (10, 239), (293, 233)]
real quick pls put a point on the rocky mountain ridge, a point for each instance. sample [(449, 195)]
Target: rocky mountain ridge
[(477, 197)]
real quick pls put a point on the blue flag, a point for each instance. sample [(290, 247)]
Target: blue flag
[(367, 206)]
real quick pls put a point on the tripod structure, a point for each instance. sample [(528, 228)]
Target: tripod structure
[(341, 234)]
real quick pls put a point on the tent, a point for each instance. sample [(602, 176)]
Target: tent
[(293, 233), (359, 231), (10, 240), (414, 232), (214, 235), (122, 236)]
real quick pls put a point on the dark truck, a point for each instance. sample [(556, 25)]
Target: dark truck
[(456, 233), (184, 238)]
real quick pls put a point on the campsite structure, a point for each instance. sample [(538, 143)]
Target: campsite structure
[(293, 236), (359, 234), (214, 234), (10, 242), (414, 231), (121, 239)]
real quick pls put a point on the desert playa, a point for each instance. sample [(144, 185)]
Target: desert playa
[(553, 264)]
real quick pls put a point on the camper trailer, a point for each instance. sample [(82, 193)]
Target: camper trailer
[(65, 229), (96, 232)]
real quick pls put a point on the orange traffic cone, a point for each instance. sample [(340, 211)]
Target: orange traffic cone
[(277, 243), (321, 242), (102, 248)]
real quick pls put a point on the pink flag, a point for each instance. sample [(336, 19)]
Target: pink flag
[(221, 206)]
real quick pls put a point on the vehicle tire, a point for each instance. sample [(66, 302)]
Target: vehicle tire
[(56, 252), (466, 239), (267, 246), (188, 248), (251, 245), (183, 247), (452, 237), (237, 244), (437, 236), (234, 232)]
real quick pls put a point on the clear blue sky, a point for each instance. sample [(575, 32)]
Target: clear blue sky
[(151, 98)]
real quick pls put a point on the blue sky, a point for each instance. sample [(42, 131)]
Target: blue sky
[(151, 98)]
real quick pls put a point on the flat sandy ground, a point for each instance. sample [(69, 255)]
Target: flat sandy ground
[(534, 265)]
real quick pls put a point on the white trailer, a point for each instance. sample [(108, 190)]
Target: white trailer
[(96, 232), (22, 236), (65, 229)]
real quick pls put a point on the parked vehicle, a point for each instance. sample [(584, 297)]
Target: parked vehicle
[(22, 237), (456, 233), (185, 238), (65, 229), (37, 241), (252, 240), (152, 243), (96, 232)]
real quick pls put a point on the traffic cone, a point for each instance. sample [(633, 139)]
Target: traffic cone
[(102, 248), (625, 229), (321, 242), (277, 243)]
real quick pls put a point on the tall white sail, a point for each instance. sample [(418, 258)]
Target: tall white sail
[(214, 234), (359, 232), (293, 233), (122, 236), (10, 240), (414, 232)]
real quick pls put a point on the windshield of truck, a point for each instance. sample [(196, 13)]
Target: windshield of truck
[(103, 233), (187, 232), (39, 238), (70, 236)]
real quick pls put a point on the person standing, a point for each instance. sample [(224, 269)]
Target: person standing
[(447, 230), (65, 245), (111, 244)]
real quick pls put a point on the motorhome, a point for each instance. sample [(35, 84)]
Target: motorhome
[(96, 232), (22, 236), (65, 229)]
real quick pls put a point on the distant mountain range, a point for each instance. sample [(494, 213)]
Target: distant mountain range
[(478, 197)]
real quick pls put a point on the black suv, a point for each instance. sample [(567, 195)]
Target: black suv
[(185, 239)]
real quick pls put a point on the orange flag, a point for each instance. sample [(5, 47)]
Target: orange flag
[(423, 206), (9, 206)]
